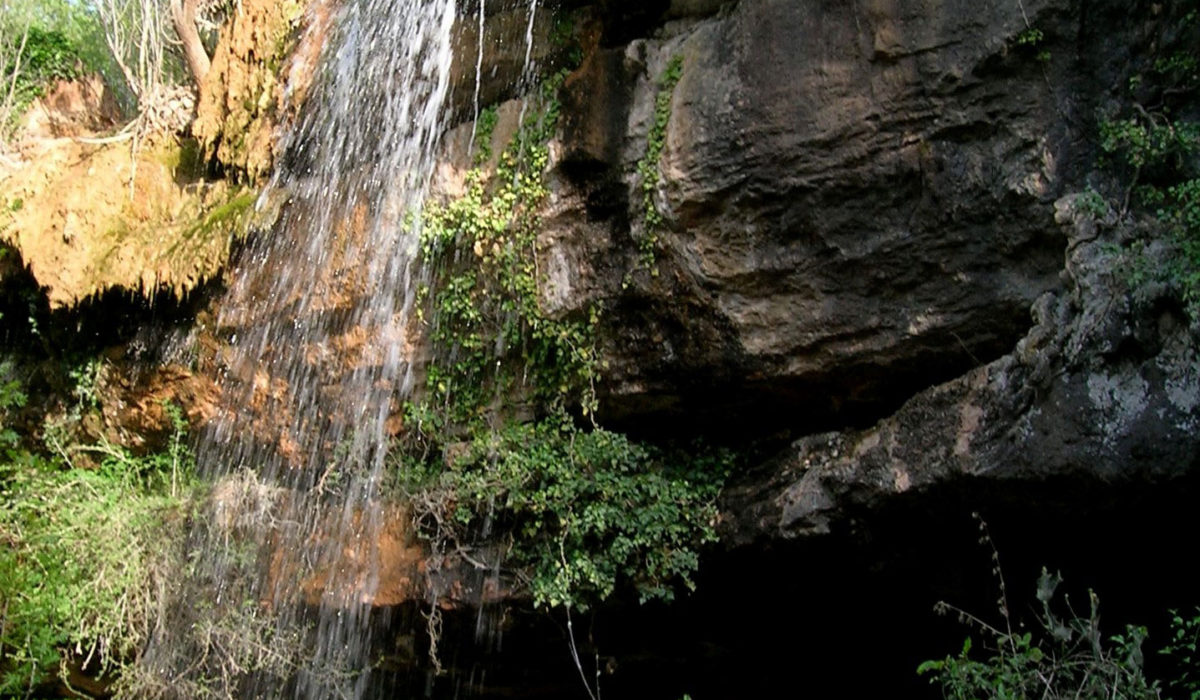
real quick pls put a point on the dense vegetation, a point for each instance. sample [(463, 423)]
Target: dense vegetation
[(504, 441), (40, 44), (87, 529), (1151, 148)]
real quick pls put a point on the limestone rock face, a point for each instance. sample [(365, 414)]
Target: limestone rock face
[(863, 232), (856, 203), (1104, 389)]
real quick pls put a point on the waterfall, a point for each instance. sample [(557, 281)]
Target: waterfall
[(318, 328), (315, 364)]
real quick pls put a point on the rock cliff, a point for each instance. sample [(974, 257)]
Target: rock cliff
[(864, 236), (852, 241)]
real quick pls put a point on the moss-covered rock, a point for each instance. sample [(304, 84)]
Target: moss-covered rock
[(241, 101), (88, 218)]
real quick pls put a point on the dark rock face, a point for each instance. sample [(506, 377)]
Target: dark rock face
[(1104, 390), (862, 203), (857, 201), (870, 242)]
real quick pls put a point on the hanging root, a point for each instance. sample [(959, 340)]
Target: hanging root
[(433, 627)]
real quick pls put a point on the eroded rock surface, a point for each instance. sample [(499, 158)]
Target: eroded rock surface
[(857, 203), (88, 219), (1105, 389)]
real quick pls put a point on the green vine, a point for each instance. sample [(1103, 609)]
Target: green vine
[(648, 168), (504, 438), (1153, 153), (495, 344), (485, 126)]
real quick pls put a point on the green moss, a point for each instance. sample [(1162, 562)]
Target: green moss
[(184, 158), (227, 218)]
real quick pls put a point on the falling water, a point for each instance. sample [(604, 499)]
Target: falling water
[(316, 364), (482, 13), (316, 359)]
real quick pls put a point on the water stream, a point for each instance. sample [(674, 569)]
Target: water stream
[(315, 368)]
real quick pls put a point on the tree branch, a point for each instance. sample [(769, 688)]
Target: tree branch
[(183, 14)]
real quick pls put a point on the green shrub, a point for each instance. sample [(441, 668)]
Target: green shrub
[(84, 551), (1064, 656), (1067, 656), (588, 509)]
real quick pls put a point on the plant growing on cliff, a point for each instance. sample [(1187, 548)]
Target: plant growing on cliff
[(483, 310), (647, 168), (485, 126), (584, 510), (587, 509), (1154, 154)]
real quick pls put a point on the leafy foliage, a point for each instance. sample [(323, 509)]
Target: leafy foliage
[(1068, 658), (77, 22), (83, 552), (1180, 652), (493, 338), (585, 509), (42, 41), (34, 62), (1139, 142), (1180, 211), (1156, 154), (485, 126), (12, 397), (648, 166)]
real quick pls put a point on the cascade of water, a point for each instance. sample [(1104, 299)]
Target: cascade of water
[(316, 361), (317, 364), (478, 77)]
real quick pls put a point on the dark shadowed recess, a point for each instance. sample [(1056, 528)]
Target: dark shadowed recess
[(845, 615), (140, 320)]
